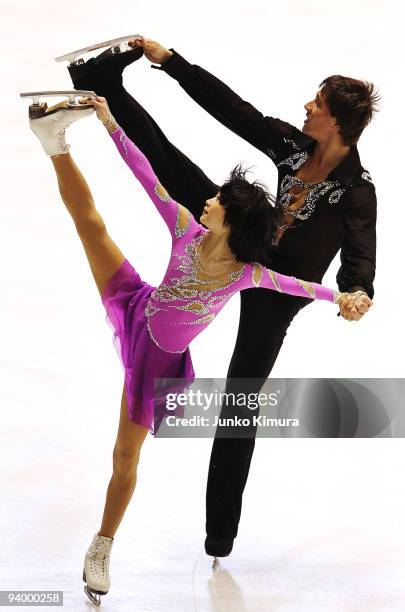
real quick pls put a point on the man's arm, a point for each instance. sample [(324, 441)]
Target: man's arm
[(265, 133), (358, 252)]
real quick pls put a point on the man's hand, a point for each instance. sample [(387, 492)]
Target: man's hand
[(152, 50), (354, 306)]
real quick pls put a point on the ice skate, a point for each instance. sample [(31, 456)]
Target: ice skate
[(215, 563), (103, 72), (116, 45), (96, 568), (49, 123), (218, 547)]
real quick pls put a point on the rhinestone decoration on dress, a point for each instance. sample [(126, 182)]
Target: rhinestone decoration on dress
[(178, 230), (123, 140), (307, 286), (257, 274), (274, 279), (161, 192), (190, 288)]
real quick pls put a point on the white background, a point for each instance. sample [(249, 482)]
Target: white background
[(313, 509)]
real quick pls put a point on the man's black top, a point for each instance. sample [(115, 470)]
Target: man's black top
[(338, 213)]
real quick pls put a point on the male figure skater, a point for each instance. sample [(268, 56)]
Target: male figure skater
[(327, 197)]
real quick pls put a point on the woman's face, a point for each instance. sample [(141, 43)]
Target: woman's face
[(213, 214)]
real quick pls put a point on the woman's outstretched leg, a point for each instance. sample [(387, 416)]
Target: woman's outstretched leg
[(103, 254), (130, 439)]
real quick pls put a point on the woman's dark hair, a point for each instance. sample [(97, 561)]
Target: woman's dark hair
[(352, 103), (250, 213)]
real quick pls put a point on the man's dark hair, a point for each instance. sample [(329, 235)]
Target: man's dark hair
[(252, 218), (352, 102)]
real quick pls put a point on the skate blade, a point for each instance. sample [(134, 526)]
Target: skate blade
[(37, 110), (95, 599), (216, 563), (73, 55), (71, 94), (92, 594)]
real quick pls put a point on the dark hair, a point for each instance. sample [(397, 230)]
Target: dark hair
[(252, 218), (352, 103)]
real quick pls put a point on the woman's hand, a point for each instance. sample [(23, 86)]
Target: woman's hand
[(100, 105), (354, 305), (152, 50), (102, 111)]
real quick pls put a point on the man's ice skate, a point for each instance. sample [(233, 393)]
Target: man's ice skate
[(215, 563), (116, 45), (218, 547), (49, 123), (96, 568), (103, 72)]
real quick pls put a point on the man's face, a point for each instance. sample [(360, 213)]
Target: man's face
[(319, 122)]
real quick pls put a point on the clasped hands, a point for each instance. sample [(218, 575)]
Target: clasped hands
[(153, 51), (354, 305)]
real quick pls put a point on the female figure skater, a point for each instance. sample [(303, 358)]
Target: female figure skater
[(153, 326)]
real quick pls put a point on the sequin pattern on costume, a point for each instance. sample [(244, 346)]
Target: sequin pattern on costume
[(295, 160), (188, 299), (316, 190), (161, 192), (366, 176), (190, 293)]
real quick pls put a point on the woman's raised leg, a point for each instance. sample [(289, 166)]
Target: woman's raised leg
[(126, 452), (103, 254)]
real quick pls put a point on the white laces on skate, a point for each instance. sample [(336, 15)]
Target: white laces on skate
[(99, 556)]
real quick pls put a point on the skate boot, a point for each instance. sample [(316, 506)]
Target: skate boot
[(96, 568), (107, 67), (49, 123), (218, 547)]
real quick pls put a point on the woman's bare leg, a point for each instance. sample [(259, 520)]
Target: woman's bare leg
[(127, 448), (104, 258), (103, 254)]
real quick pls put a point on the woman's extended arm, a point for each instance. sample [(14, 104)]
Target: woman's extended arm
[(178, 218), (267, 278)]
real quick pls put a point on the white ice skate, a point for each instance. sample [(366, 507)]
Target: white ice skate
[(117, 46), (49, 123), (96, 568)]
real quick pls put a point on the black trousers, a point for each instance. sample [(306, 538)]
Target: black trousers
[(264, 316)]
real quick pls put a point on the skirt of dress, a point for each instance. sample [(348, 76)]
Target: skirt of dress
[(124, 299)]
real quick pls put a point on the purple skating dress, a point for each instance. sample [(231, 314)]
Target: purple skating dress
[(153, 326)]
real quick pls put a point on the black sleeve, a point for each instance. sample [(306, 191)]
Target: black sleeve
[(267, 134), (358, 252)]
